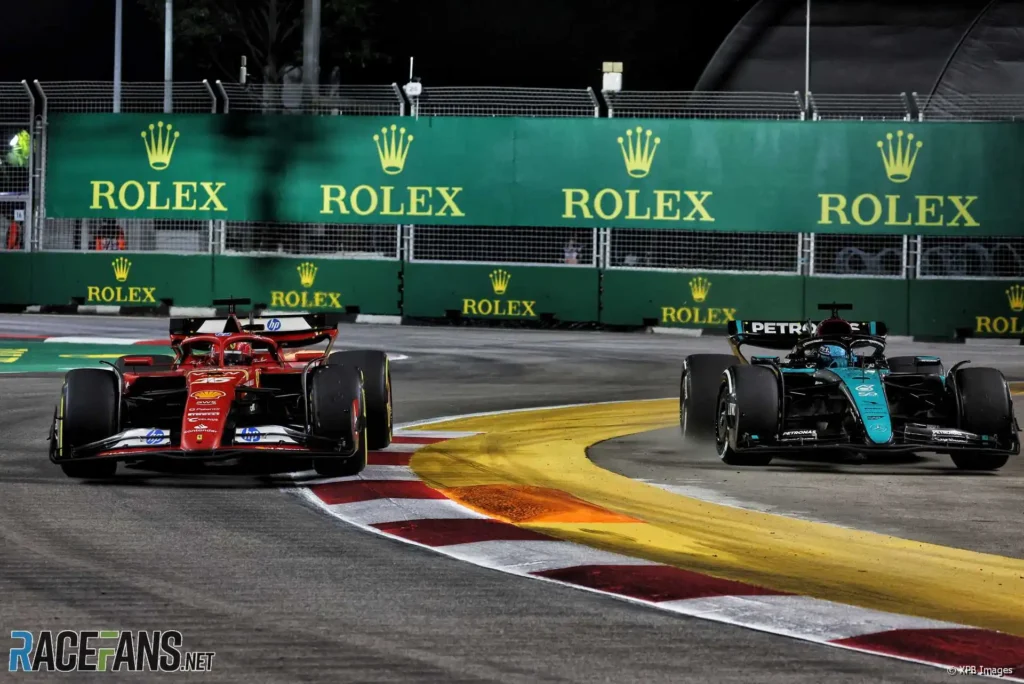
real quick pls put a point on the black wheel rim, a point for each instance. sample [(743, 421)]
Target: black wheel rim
[(683, 394), (721, 426)]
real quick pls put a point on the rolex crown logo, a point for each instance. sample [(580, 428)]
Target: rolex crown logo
[(121, 267), (638, 153), (899, 163), (499, 281), (307, 273), (393, 148), (699, 288), (160, 144), (1015, 295)]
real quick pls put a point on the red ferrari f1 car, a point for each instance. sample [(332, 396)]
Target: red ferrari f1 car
[(230, 391)]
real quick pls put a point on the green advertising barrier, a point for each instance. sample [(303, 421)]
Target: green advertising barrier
[(728, 175), (122, 279), (309, 284), (527, 293), (697, 300), (873, 299), (16, 278), (967, 308)]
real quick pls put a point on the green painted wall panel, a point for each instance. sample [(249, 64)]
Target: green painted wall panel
[(353, 286), (122, 279), (16, 277), (697, 300), (509, 292), (979, 308)]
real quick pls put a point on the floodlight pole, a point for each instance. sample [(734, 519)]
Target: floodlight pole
[(311, 47), (168, 53), (807, 58), (118, 21)]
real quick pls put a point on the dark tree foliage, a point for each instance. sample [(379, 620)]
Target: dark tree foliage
[(213, 35)]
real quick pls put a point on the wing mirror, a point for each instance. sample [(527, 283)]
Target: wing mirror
[(138, 360)]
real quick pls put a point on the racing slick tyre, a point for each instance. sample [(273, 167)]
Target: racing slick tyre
[(335, 392), (161, 362), (376, 370), (909, 364), (87, 412), (985, 409), (755, 395), (698, 392)]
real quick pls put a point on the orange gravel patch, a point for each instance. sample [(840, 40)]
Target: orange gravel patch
[(527, 504)]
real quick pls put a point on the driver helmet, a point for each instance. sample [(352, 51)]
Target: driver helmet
[(238, 354), (832, 356)]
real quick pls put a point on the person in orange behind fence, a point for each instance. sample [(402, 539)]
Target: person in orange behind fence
[(109, 236), (14, 236)]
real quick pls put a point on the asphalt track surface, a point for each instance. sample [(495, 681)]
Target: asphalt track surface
[(283, 593)]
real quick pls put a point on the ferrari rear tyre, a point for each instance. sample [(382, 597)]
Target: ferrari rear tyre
[(750, 408), (909, 364), (86, 413), (698, 391), (376, 369), (985, 409)]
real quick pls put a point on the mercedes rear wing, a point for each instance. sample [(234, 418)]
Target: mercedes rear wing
[(784, 335)]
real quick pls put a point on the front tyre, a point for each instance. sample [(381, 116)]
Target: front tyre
[(338, 412), (86, 413), (985, 409), (976, 461), (698, 393), (750, 408), (376, 369)]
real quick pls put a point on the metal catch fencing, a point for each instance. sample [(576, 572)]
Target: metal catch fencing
[(331, 100), (503, 244), (24, 109), (135, 235), (17, 158), (544, 102), (960, 258), (182, 236), (704, 251)]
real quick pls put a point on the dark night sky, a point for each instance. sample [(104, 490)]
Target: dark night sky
[(542, 43)]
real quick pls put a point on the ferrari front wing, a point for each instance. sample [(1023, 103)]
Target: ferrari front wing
[(147, 443)]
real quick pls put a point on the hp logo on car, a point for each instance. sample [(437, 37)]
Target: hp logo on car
[(251, 434), (154, 436), (274, 324)]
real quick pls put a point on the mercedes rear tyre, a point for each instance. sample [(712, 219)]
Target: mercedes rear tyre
[(86, 413), (749, 408), (698, 391), (338, 411), (985, 409), (376, 369)]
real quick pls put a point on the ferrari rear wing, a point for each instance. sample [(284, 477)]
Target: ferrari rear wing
[(287, 330)]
